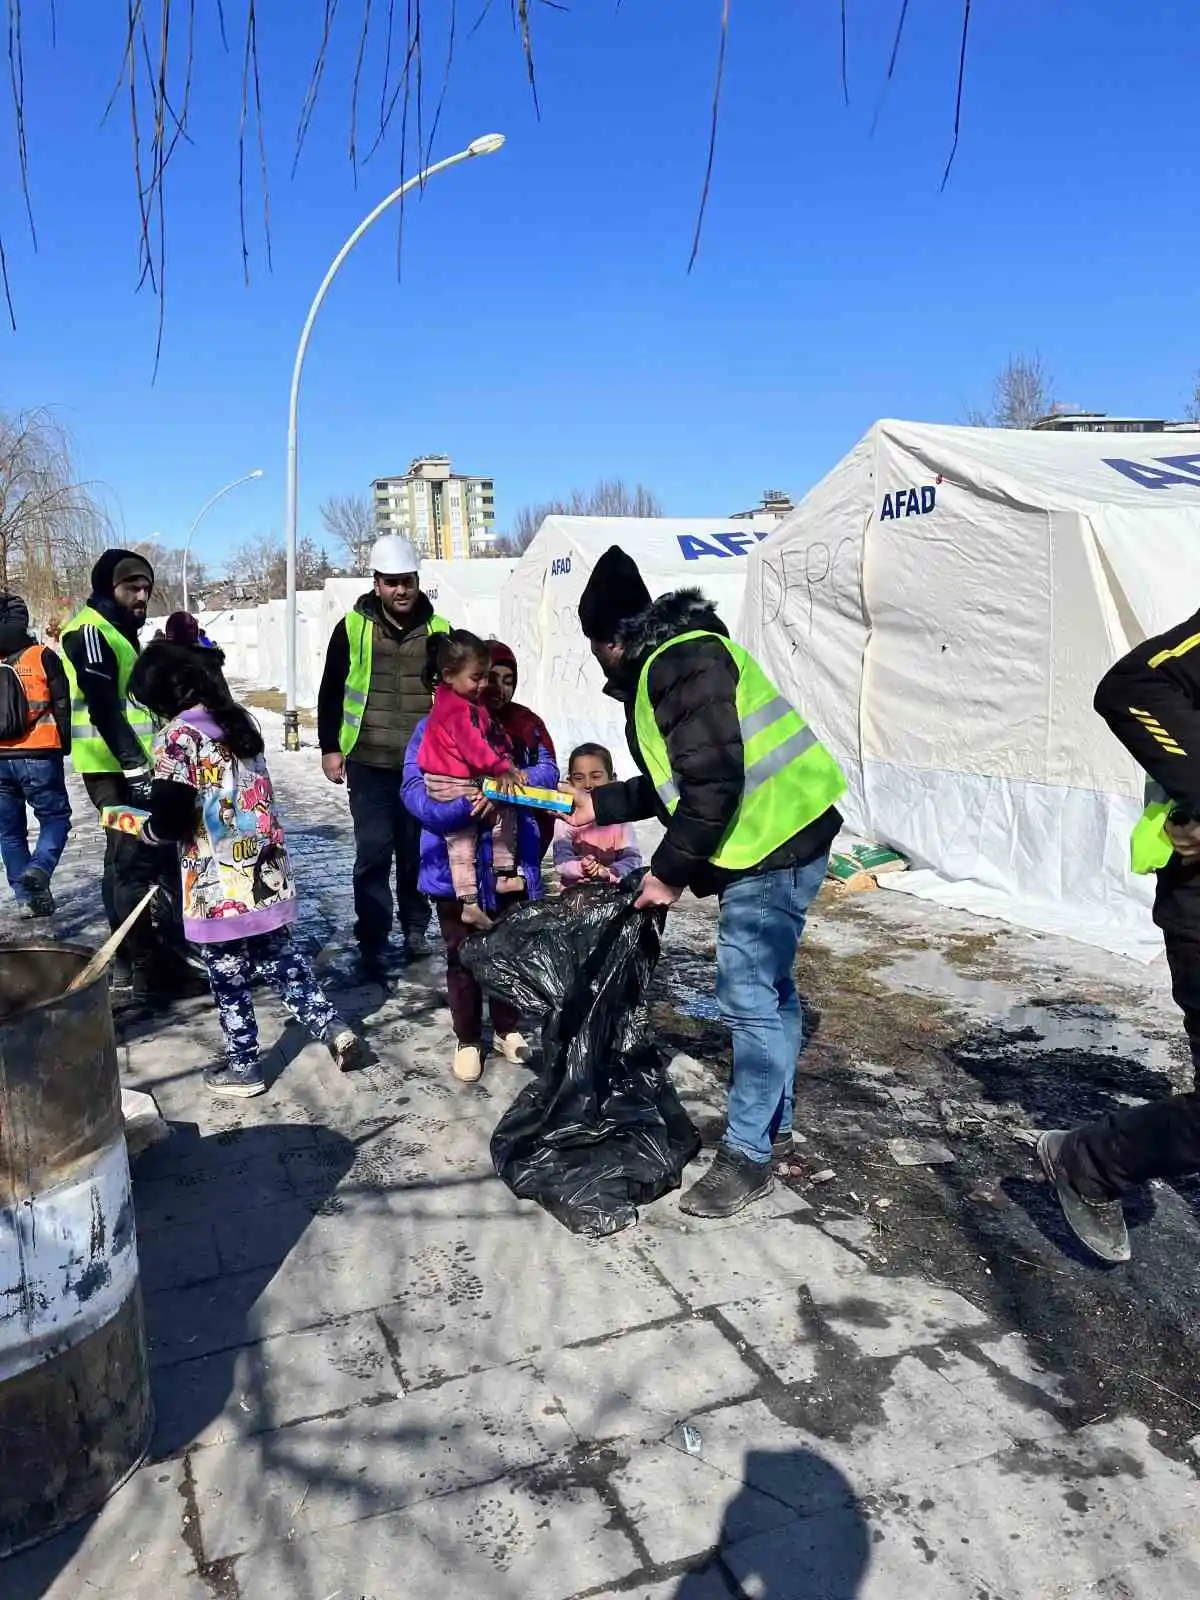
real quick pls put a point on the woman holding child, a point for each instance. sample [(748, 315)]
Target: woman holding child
[(515, 734)]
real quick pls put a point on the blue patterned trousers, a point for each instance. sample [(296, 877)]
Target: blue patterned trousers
[(233, 966)]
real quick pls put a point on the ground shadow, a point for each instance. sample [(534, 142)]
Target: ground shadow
[(217, 1216), (823, 1553), (1062, 1088)]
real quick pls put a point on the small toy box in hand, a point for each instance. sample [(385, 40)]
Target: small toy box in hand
[(524, 794), (124, 819)]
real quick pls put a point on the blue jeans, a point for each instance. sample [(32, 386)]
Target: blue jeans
[(762, 918), (39, 782)]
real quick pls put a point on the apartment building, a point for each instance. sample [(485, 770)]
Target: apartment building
[(448, 515)]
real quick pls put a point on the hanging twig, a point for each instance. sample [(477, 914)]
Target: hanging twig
[(481, 18), (400, 88), (419, 59), (7, 287), (160, 154), (522, 16), (712, 135), (221, 25), (356, 85), (437, 115), (252, 79), (314, 82), (958, 97), (845, 77), (891, 67), (16, 78)]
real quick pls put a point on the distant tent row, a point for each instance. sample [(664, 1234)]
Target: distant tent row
[(941, 606), (255, 638)]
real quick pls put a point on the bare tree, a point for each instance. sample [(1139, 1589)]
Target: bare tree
[(260, 565), (610, 497), (167, 562), (350, 520), (1023, 392), (1192, 409), (52, 526)]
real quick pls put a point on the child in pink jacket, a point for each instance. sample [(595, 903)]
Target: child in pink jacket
[(593, 854), (462, 745)]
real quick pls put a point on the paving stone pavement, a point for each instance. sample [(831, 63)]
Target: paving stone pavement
[(377, 1374)]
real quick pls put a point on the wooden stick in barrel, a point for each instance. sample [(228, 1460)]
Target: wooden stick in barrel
[(111, 945)]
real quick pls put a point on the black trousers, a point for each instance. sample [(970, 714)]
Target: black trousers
[(130, 867), (384, 834), (1162, 1139)]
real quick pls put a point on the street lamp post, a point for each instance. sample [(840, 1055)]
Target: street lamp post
[(200, 515), (483, 146)]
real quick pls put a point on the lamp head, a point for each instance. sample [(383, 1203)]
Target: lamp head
[(486, 144)]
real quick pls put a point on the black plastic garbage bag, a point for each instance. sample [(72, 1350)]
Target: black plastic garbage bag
[(601, 1131)]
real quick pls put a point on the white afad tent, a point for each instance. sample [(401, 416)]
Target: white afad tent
[(539, 614), (942, 606)]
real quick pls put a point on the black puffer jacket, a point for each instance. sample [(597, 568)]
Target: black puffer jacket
[(692, 689)]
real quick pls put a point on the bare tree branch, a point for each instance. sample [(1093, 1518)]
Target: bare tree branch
[(610, 497), (16, 78), (712, 135), (52, 526), (356, 86), (350, 521), (958, 94), (845, 76), (1023, 392), (314, 82)]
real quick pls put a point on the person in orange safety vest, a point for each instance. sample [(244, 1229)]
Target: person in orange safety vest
[(35, 736)]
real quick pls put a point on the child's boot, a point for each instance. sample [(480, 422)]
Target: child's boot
[(344, 1045)]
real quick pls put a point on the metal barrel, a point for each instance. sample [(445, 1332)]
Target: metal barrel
[(75, 1412)]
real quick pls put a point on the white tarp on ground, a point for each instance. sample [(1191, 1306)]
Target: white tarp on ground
[(942, 606), (539, 612)]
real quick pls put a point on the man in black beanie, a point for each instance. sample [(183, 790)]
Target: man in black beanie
[(747, 792), (110, 750)]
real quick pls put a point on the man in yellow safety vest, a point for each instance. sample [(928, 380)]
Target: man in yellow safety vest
[(747, 792), (370, 701), (111, 737), (1151, 701)]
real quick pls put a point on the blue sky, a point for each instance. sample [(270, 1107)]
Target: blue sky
[(544, 328)]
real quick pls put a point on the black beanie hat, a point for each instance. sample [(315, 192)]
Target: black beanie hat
[(613, 593), (14, 613), (118, 566)]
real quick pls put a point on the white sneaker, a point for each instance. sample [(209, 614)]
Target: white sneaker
[(514, 1047), (467, 1066)]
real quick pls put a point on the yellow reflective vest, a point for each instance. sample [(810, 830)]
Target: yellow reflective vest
[(1149, 847), (790, 777), (360, 632), (89, 753)]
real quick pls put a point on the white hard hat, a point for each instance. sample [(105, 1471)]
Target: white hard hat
[(394, 554)]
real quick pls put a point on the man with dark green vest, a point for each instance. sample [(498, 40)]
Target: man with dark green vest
[(747, 792), (370, 702), (111, 737)]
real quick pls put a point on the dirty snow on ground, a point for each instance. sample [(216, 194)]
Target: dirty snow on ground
[(378, 1374)]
